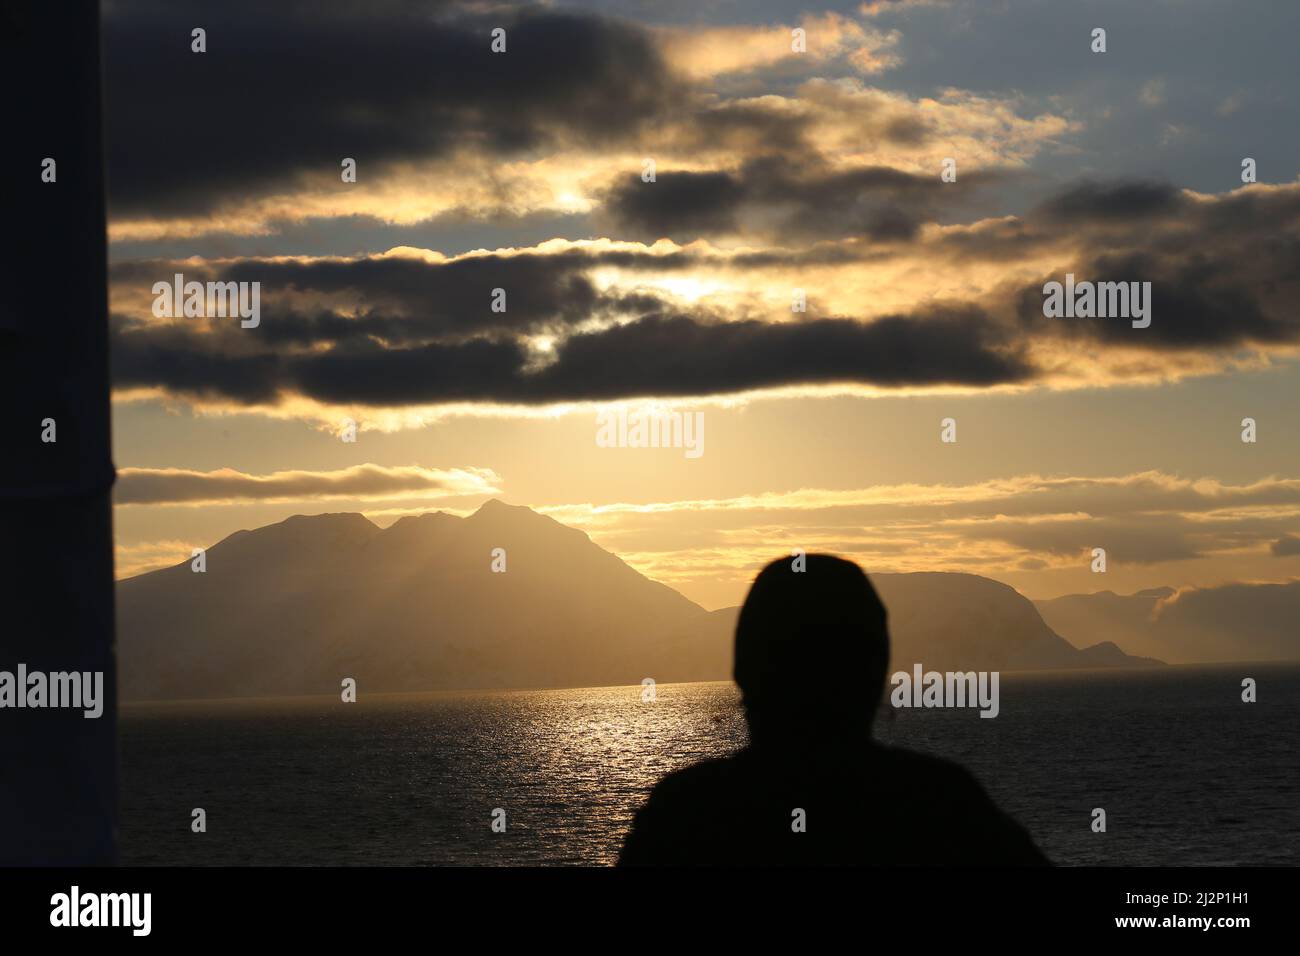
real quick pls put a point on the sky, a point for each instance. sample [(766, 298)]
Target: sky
[(776, 169)]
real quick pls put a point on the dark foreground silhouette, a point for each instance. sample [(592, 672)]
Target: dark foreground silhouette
[(812, 787)]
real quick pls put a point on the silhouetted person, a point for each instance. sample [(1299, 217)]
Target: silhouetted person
[(811, 653)]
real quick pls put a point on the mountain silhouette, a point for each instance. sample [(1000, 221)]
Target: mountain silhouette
[(294, 607), (1229, 622), (949, 620)]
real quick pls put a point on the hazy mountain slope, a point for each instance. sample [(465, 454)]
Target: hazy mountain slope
[(977, 623), (950, 621), (1231, 622), (1123, 618), (255, 622), (295, 607)]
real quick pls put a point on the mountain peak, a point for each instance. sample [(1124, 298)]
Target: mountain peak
[(420, 605), (494, 509), (420, 527), (424, 518), (500, 517), (333, 526), (340, 518)]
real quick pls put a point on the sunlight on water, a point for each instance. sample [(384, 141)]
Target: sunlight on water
[(1186, 772)]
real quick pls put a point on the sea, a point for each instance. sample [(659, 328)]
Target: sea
[(1186, 772)]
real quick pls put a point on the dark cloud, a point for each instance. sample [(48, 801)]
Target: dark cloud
[(784, 197), (454, 297), (678, 355), (748, 127), (393, 330), (1203, 299), (406, 300), (1224, 273), (679, 205), (149, 359), (291, 89), (1286, 546), (1002, 241), (657, 355), (1123, 201)]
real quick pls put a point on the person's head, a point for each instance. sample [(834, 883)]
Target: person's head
[(811, 651)]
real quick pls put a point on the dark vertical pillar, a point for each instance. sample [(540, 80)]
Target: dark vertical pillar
[(58, 769)]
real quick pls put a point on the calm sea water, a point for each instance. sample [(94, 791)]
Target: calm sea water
[(1187, 773)]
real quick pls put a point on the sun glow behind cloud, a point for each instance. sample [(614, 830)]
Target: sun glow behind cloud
[(776, 172)]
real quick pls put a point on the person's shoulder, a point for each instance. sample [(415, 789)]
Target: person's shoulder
[(913, 763), (677, 824), (958, 808), (702, 775)]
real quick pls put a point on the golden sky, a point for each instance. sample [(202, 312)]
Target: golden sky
[(781, 175)]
